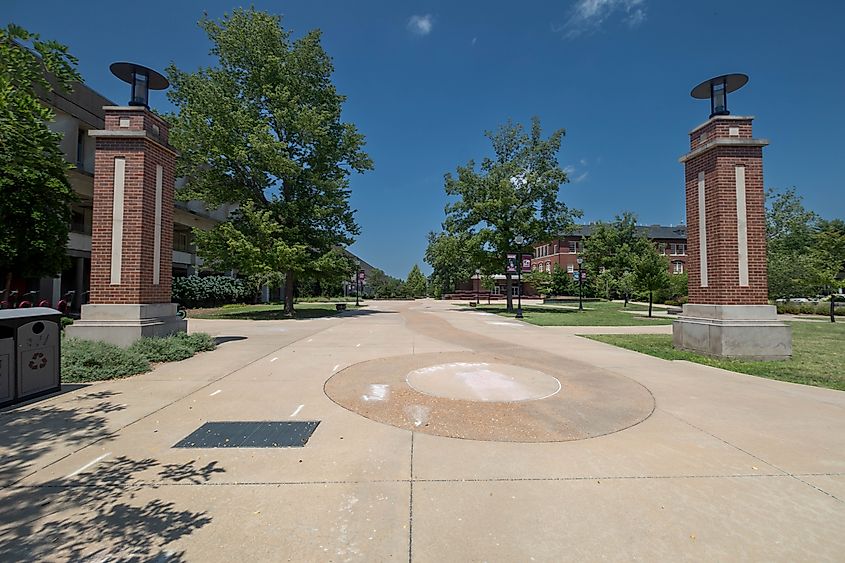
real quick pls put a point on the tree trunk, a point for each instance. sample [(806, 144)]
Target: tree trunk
[(832, 308), (7, 288), (649, 303), (289, 284), (509, 295)]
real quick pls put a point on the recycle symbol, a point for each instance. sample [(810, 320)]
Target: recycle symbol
[(38, 361)]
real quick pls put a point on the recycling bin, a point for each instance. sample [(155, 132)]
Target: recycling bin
[(35, 365), (7, 366)]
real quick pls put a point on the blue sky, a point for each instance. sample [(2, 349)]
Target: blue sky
[(426, 79)]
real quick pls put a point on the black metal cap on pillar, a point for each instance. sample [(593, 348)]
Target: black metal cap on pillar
[(142, 80), (717, 90)]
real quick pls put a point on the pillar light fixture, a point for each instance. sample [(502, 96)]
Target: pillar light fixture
[(141, 79), (717, 89)]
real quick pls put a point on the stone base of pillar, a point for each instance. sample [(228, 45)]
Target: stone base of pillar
[(749, 332), (124, 324)]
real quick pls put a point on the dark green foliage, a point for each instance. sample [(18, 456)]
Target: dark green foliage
[(172, 348), (35, 194), (87, 360), (211, 291), (262, 128), (415, 285), (66, 321), (512, 193)]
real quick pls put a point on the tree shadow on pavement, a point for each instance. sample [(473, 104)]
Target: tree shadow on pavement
[(103, 513)]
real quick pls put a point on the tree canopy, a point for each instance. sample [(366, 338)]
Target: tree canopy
[(513, 193), (35, 194), (651, 272), (263, 129), (806, 254)]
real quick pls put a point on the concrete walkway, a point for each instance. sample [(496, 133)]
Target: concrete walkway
[(725, 467)]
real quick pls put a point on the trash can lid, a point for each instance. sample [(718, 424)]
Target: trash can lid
[(27, 312)]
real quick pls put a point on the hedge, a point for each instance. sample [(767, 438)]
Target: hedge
[(211, 291)]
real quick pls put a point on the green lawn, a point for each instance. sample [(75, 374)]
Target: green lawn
[(267, 312), (818, 354), (596, 313)]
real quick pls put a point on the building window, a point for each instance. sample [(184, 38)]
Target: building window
[(556, 248), (80, 148), (549, 267), (570, 268), (182, 241), (677, 267), (678, 249), (573, 247), (661, 247)]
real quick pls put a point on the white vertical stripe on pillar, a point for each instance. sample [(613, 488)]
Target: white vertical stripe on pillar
[(741, 226), (702, 230), (157, 235), (117, 219)]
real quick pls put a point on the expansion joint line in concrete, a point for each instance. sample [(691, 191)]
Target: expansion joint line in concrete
[(411, 505), (796, 476), (140, 484), (171, 403)]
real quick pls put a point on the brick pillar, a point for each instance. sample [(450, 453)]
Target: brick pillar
[(728, 312), (132, 235), (724, 172), (134, 163)]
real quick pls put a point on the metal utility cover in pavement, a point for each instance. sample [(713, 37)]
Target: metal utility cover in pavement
[(261, 434)]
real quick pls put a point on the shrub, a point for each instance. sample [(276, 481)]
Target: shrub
[(66, 321), (173, 348), (211, 291), (87, 360)]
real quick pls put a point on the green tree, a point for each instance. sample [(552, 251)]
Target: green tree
[(415, 286), (511, 194), (263, 129), (797, 264), (35, 194), (651, 273), (611, 250), (451, 260), (539, 280), (562, 282)]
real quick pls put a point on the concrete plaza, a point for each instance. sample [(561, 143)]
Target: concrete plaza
[(636, 458)]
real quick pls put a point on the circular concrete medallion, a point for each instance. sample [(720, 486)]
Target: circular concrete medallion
[(480, 396), (482, 381)]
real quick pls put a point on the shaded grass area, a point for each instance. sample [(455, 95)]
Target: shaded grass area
[(818, 354), (267, 312), (88, 360), (599, 313)]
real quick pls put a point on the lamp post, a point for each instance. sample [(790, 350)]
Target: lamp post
[(580, 284), (477, 287), (357, 280), (520, 240)]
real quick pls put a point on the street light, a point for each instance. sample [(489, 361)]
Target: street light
[(477, 287), (520, 240), (580, 284), (357, 280)]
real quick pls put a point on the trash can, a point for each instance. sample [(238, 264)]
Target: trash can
[(7, 366), (35, 364)]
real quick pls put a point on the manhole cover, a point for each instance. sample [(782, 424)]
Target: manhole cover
[(482, 381), (244, 434)]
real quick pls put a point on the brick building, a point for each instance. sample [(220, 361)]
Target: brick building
[(563, 251)]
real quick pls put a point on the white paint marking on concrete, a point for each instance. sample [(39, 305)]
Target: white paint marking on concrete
[(274, 359), (310, 340), (418, 413), (741, 226), (216, 392), (296, 412), (358, 345), (89, 464), (335, 367), (378, 392), (702, 230), (117, 219), (157, 224), (504, 323)]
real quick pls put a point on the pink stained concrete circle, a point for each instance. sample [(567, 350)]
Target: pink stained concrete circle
[(483, 382)]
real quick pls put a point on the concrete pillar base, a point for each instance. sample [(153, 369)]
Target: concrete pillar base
[(124, 324), (749, 332)]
